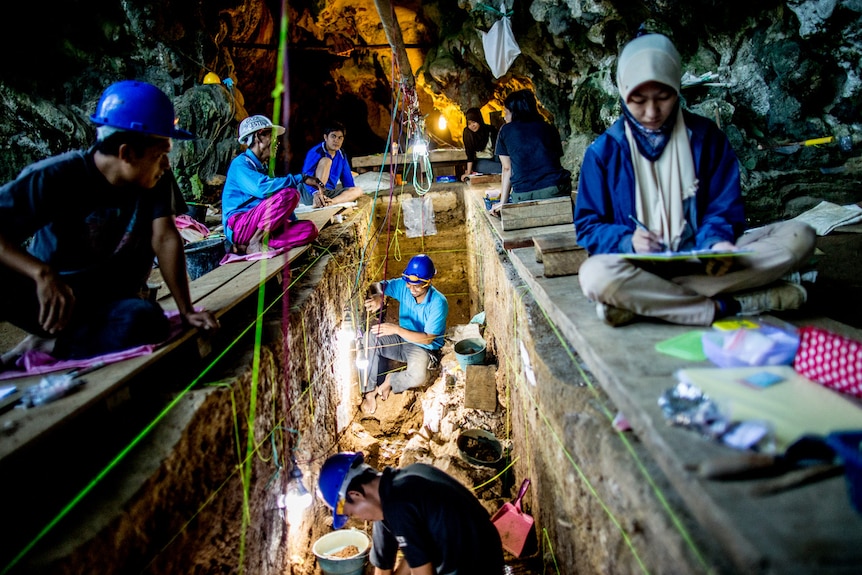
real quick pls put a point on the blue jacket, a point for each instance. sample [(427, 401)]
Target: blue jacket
[(606, 190), (247, 184)]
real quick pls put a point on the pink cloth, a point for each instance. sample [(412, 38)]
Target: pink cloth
[(36, 362), (184, 221), (231, 258), (272, 215)]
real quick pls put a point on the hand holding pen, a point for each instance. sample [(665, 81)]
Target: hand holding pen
[(644, 240)]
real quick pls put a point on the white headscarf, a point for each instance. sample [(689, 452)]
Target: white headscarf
[(660, 186)]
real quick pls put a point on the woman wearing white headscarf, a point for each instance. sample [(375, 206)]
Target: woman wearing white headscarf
[(664, 179)]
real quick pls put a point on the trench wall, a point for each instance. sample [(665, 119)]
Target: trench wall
[(600, 503)]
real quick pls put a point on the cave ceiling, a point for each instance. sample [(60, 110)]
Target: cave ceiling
[(784, 71)]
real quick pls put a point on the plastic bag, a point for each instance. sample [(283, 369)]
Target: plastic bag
[(500, 46), (419, 217), (766, 345)]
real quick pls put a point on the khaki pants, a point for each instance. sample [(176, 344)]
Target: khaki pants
[(681, 292)]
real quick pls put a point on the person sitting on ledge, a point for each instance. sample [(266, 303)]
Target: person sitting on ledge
[(257, 209), (415, 340), (479, 141), (664, 179), (97, 218), (328, 163), (529, 149)]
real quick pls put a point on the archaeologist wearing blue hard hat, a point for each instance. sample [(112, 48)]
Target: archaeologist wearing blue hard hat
[(417, 337), (436, 522), (95, 219)]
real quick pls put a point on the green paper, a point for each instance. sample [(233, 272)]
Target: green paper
[(688, 346)]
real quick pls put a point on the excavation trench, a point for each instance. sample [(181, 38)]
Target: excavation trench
[(199, 495)]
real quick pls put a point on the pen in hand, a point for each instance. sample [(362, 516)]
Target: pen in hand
[(642, 226)]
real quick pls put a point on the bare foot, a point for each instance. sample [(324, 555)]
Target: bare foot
[(384, 390), (369, 403)]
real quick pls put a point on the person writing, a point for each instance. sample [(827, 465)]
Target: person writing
[(97, 218), (257, 209), (415, 340), (436, 522), (328, 163), (530, 150), (659, 179), (479, 141)]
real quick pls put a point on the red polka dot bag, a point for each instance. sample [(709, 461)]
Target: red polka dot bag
[(830, 359)]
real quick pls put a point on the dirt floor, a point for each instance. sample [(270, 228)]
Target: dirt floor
[(425, 425)]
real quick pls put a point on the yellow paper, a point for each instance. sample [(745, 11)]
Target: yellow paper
[(794, 407)]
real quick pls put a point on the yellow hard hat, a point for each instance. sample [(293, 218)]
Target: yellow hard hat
[(212, 78)]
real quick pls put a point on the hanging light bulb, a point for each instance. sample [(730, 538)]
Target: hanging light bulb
[(361, 358), (441, 122), (297, 498)]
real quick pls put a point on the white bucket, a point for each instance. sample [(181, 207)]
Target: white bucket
[(334, 542)]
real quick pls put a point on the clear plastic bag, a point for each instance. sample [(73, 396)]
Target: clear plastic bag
[(419, 217), (765, 345)]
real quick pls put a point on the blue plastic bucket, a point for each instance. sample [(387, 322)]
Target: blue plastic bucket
[(470, 352)]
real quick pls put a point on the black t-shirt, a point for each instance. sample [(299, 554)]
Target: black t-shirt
[(434, 519), (88, 230)]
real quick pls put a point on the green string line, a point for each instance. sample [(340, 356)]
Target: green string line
[(122, 454), (681, 529), (496, 477), (519, 292), (110, 466), (589, 486), (547, 540)]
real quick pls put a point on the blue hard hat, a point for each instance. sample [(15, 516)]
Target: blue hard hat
[(138, 107), (420, 269), (335, 475)]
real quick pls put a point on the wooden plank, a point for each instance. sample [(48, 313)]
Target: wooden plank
[(509, 239), (480, 389), (536, 213), (376, 161), (560, 253), (478, 179)]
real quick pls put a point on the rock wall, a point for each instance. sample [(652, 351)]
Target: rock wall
[(780, 71)]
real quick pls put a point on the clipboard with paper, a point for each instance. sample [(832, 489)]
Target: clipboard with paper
[(687, 255)]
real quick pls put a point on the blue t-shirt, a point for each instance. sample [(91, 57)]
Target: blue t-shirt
[(247, 184), (426, 317), (340, 171), (535, 150)]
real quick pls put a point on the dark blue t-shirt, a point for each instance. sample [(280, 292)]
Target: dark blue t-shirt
[(434, 519), (87, 229), (535, 150)]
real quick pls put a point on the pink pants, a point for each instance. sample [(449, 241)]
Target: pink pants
[(272, 215)]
